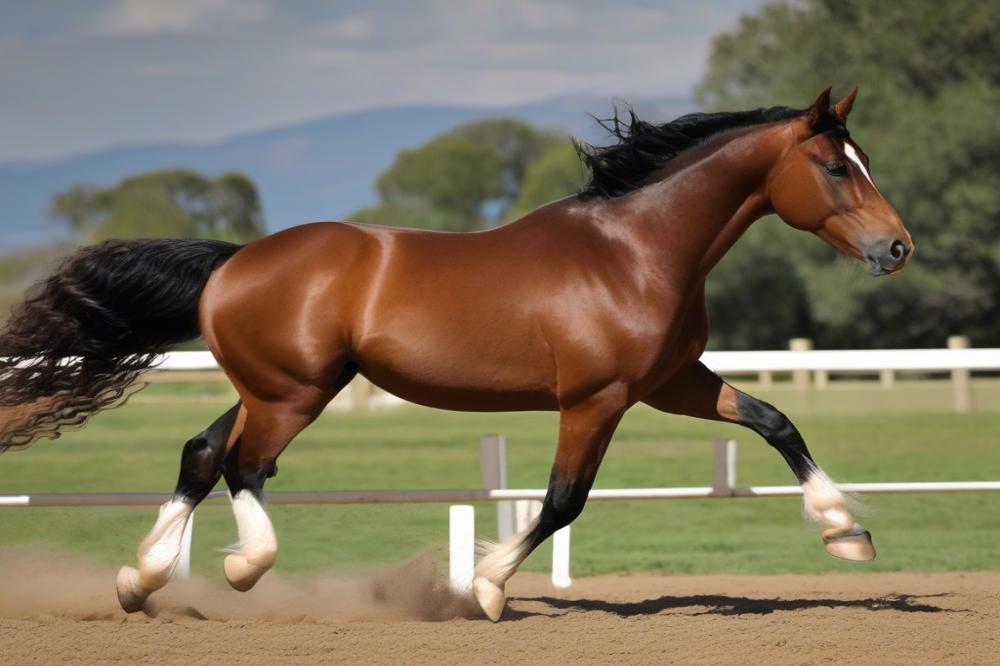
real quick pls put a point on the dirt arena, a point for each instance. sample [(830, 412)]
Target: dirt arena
[(55, 609)]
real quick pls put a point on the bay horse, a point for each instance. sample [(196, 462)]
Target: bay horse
[(585, 306)]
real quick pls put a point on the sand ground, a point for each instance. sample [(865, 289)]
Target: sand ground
[(55, 609)]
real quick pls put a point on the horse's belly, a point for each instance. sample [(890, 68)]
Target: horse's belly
[(467, 358), (468, 397)]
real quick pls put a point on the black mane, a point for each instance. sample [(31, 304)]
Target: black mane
[(643, 148)]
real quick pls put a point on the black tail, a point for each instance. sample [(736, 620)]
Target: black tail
[(84, 335)]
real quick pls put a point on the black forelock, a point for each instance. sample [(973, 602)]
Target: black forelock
[(643, 148)]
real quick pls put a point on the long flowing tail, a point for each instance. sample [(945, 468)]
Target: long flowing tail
[(83, 336)]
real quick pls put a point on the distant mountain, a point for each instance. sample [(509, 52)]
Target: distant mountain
[(316, 170)]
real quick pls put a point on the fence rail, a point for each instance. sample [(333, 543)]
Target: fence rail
[(808, 367), (854, 360), (516, 506), (448, 496), (847, 360)]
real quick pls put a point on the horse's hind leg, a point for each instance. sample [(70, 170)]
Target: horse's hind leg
[(201, 467), (699, 392), (268, 430), (584, 433)]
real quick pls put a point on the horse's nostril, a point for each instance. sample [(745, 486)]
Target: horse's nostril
[(897, 250)]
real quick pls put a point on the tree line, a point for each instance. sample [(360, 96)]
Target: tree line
[(169, 203), (929, 74)]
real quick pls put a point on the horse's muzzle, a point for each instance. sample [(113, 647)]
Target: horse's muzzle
[(888, 257)]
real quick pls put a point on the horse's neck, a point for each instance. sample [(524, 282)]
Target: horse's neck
[(688, 220)]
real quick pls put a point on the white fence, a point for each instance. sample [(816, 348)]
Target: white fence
[(510, 515), (801, 361), (843, 360)]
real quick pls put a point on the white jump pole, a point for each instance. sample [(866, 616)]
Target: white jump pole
[(525, 511), (461, 546), (724, 467), (560, 558), (493, 462), (183, 569)]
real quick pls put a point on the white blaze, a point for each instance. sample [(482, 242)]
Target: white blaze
[(853, 156)]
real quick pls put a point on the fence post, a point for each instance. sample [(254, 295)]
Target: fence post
[(724, 467), (525, 511), (800, 378), (361, 394), (961, 382), (493, 462), (461, 546), (887, 378), (822, 379), (560, 558), (766, 378)]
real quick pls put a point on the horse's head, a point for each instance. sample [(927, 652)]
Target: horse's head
[(822, 184)]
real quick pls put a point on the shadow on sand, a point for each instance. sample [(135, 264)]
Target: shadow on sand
[(713, 604)]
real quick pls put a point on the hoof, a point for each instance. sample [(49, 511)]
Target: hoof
[(490, 596), (242, 574), (855, 545), (131, 595)]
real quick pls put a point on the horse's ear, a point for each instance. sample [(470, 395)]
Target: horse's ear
[(843, 107), (819, 109)]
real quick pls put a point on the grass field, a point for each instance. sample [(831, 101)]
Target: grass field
[(857, 431)]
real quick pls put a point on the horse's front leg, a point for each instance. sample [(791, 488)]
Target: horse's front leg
[(585, 430), (697, 391)]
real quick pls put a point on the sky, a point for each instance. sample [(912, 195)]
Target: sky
[(76, 76)]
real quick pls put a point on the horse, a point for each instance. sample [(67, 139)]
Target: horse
[(584, 306)]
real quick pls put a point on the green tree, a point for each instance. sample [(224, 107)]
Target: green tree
[(448, 173), (463, 180), (174, 202), (555, 174), (142, 211), (929, 74), (516, 144), (77, 206), (234, 210), (753, 303)]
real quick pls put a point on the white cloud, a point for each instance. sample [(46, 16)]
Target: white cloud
[(507, 51), (203, 69), (143, 17)]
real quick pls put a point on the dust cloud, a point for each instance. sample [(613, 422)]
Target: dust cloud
[(38, 583)]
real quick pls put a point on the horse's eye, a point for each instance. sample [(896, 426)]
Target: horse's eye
[(838, 169)]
